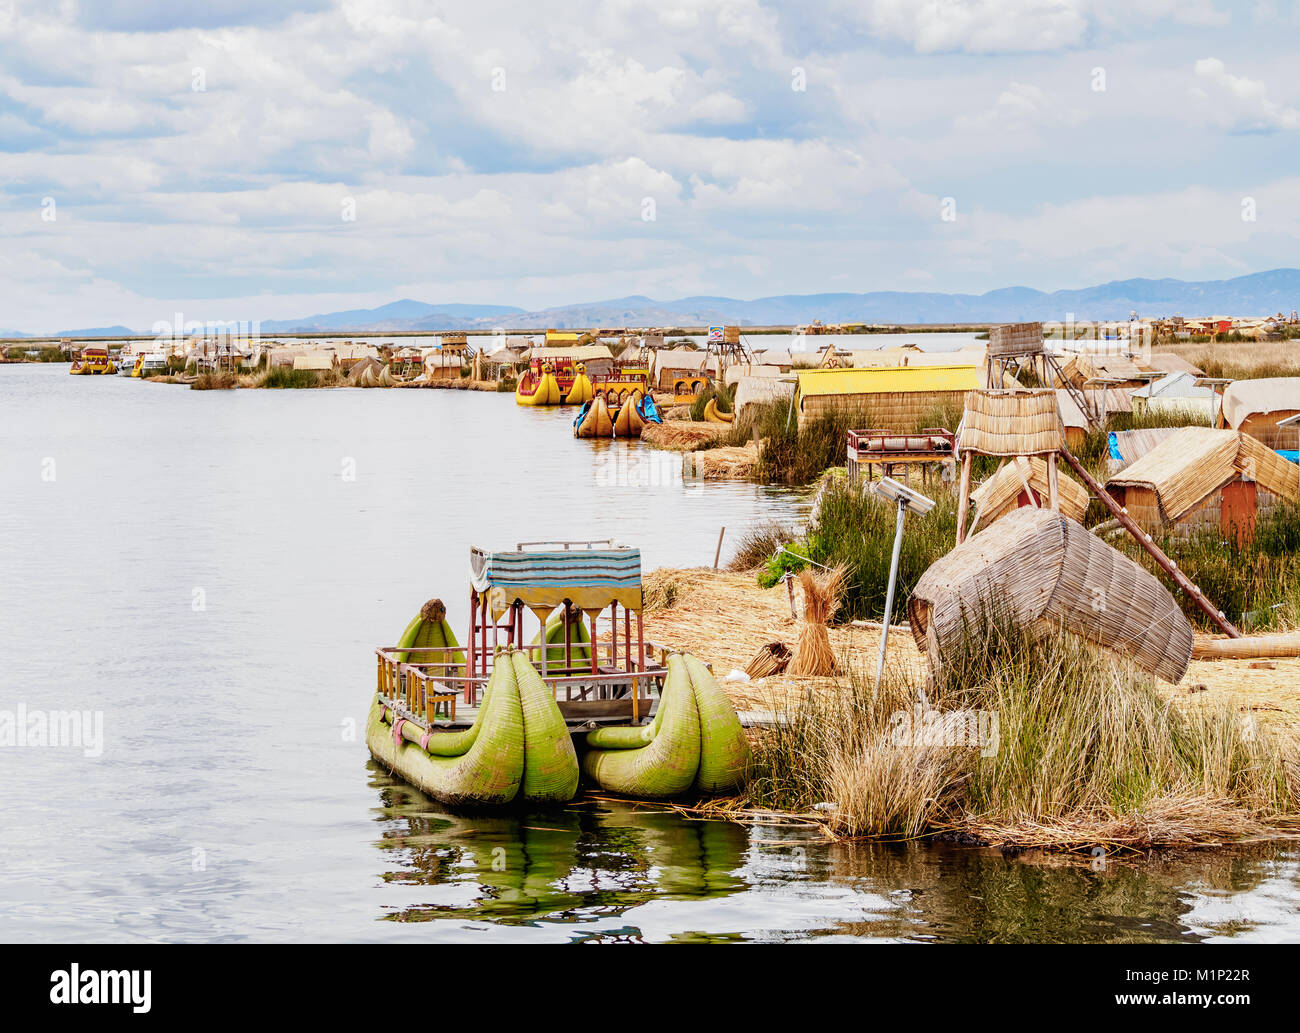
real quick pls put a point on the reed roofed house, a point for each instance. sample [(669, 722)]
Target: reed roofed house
[(1177, 393), (903, 399), (1201, 479), (1258, 407)]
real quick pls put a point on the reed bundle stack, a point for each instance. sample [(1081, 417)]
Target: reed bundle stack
[(822, 591), (682, 435), (731, 462)]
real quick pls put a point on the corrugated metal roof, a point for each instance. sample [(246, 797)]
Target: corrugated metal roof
[(816, 382)]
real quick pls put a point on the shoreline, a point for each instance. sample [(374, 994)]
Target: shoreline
[(725, 618)]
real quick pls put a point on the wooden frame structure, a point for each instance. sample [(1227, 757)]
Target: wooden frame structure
[(887, 449), (1014, 347), (1010, 425), (612, 682)]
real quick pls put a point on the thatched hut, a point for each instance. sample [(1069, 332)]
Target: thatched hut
[(1257, 407), (1073, 419), (1094, 370), (1128, 446), (317, 361), (1177, 393), (1036, 568), (1203, 479), (756, 390), (902, 398), (1015, 482)]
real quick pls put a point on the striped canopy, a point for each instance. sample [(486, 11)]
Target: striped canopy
[(589, 578)]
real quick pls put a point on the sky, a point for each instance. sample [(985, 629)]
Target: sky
[(237, 159)]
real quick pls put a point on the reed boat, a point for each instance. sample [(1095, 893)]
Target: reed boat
[(623, 381), (496, 722), (580, 391), (628, 423), (713, 415), (92, 362), (539, 386), (593, 420)]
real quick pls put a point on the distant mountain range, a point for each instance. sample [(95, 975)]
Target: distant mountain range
[(1258, 294), (1255, 295)]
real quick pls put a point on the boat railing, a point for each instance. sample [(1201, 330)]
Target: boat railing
[(429, 680)]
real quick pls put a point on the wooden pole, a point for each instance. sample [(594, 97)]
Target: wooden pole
[(1143, 539), (963, 497), (717, 553)]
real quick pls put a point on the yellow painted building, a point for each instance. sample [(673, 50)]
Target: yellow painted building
[(897, 398)]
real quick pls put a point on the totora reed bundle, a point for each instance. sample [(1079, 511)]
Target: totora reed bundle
[(821, 599)]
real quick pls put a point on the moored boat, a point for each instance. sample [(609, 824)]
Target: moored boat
[(628, 423), (593, 420), (526, 713), (538, 387), (92, 362)]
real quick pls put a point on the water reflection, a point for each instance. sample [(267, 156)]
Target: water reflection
[(593, 859), (611, 871)]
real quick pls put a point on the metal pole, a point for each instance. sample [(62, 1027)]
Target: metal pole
[(889, 592)]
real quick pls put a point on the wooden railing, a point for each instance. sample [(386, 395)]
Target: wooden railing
[(431, 679)]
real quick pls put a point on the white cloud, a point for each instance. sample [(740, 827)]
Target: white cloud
[(523, 140), (1238, 103)]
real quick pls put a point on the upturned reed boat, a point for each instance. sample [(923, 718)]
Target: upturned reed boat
[(497, 722)]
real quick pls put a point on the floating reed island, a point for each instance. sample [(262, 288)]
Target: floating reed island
[(1100, 646)]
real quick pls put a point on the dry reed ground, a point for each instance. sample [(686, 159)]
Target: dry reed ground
[(726, 618), (681, 435)]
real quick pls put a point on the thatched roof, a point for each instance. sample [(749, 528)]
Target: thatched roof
[(1168, 362), (1117, 368), (688, 359), (1011, 423), (997, 496), (1192, 462), (1132, 445), (1245, 398), (1039, 569), (575, 353), (750, 390)]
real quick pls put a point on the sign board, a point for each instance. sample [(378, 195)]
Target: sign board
[(715, 335)]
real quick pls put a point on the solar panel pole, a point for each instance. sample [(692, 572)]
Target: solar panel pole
[(889, 592)]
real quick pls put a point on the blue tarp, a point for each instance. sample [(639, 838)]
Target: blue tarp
[(1289, 453), (1114, 446)]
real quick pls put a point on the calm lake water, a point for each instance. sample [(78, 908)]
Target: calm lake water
[(211, 570)]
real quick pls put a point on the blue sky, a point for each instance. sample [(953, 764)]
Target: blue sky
[(203, 157)]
